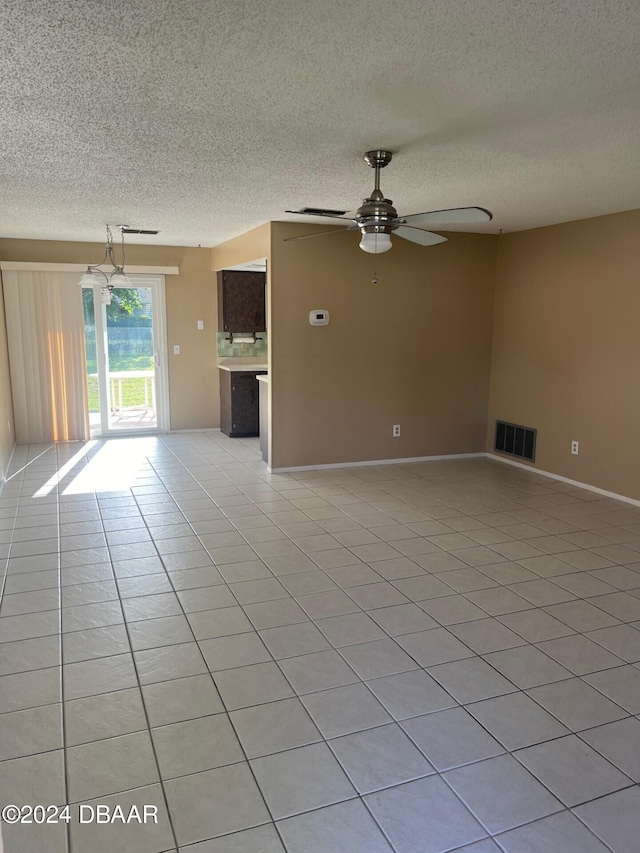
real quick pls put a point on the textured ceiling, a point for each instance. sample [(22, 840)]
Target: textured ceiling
[(204, 119)]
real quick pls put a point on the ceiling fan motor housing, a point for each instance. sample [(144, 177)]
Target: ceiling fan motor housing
[(376, 215)]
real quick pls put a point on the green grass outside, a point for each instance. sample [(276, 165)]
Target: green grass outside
[(118, 363), (132, 389)]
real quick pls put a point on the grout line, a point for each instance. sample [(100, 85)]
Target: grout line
[(62, 691), (146, 714), (361, 681), (366, 487), (323, 740), (228, 716), (577, 483), (627, 714)]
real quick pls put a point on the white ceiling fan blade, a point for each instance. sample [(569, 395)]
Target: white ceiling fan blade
[(417, 235), (455, 216)]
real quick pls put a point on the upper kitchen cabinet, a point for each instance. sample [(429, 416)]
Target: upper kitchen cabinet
[(241, 301)]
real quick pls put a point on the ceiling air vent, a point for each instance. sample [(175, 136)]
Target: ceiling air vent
[(320, 211), (126, 230), (516, 440)]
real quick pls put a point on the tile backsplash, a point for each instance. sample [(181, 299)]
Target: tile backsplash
[(227, 350)]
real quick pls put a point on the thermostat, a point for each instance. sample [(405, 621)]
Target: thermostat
[(319, 317)]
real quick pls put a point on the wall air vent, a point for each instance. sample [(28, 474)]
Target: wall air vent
[(516, 440)]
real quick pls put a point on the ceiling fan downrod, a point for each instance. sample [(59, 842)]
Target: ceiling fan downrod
[(376, 215), (378, 159)]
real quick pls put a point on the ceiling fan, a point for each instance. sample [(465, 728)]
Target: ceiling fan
[(377, 218)]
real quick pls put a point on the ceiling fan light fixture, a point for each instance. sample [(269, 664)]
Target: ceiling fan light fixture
[(375, 242)]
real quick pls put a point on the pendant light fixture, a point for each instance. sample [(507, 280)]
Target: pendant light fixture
[(116, 277)]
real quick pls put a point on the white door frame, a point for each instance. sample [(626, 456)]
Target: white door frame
[(159, 315)]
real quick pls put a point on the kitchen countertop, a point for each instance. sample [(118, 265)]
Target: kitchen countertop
[(247, 365)]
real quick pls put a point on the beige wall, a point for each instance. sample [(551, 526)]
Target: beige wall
[(7, 430), (566, 355), (250, 246), (191, 296), (414, 349)]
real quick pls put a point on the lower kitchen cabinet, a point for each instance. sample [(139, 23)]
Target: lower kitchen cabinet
[(239, 406)]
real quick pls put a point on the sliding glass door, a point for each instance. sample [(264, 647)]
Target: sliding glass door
[(127, 358)]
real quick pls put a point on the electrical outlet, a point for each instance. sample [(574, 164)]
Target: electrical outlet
[(575, 447), (396, 430), (176, 349)]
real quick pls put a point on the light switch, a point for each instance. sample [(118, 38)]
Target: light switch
[(176, 349), (200, 325)]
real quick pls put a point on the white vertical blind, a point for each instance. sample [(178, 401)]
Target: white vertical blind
[(45, 332)]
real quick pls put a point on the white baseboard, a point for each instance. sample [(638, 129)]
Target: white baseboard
[(403, 461), (493, 456), (577, 483), (4, 473), (202, 429)]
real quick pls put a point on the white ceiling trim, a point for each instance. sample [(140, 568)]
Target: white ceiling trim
[(34, 266)]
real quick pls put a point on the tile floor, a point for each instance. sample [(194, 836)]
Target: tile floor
[(414, 658)]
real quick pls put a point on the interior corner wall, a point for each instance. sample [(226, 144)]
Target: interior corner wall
[(414, 349), (190, 296), (566, 352), (7, 430), (250, 246)]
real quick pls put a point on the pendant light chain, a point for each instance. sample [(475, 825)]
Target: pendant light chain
[(116, 277)]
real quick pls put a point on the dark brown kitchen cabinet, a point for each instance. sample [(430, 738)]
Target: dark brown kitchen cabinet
[(239, 403), (241, 301)]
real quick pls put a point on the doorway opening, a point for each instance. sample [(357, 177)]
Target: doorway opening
[(126, 358)]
